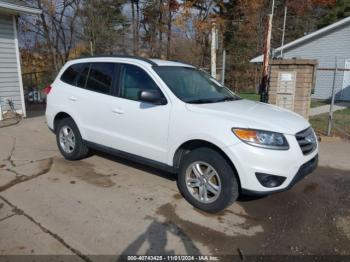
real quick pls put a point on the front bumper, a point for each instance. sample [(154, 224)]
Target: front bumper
[(304, 170), (291, 164)]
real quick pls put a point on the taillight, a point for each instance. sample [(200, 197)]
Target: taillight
[(47, 89)]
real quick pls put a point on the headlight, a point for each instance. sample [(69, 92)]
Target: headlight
[(260, 138)]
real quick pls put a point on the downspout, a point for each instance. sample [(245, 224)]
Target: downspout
[(19, 70)]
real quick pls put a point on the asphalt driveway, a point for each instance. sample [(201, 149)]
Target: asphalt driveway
[(106, 205)]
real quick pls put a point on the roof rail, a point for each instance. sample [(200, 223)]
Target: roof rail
[(179, 61), (121, 56)]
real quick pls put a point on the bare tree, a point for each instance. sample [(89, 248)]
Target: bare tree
[(160, 28), (135, 13), (173, 7), (56, 26)]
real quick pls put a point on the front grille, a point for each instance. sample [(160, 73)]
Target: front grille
[(307, 140)]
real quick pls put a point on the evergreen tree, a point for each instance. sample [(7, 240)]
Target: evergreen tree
[(104, 26), (339, 11)]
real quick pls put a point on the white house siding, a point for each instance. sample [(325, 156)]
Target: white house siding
[(10, 82), (325, 48)]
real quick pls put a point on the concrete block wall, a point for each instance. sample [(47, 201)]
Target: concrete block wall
[(305, 78)]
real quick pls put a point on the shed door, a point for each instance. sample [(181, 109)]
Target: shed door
[(345, 95)]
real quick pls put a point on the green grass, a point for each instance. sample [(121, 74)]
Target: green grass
[(341, 122), (320, 122), (318, 102), (250, 96)]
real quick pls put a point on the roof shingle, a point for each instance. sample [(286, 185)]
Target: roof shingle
[(18, 6)]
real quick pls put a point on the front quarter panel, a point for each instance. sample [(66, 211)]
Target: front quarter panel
[(187, 125)]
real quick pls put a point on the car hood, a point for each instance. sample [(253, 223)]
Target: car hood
[(249, 114)]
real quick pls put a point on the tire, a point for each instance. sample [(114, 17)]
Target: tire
[(79, 150), (225, 179)]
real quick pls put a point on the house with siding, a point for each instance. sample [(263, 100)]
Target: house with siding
[(329, 45), (11, 87)]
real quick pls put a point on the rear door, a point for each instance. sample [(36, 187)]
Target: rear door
[(93, 101)]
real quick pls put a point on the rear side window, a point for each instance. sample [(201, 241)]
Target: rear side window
[(100, 77), (81, 82), (70, 75)]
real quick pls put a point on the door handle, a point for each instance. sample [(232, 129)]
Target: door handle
[(118, 111), (72, 98)]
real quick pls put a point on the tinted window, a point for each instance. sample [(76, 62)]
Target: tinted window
[(83, 75), (100, 77), (133, 80), (70, 75)]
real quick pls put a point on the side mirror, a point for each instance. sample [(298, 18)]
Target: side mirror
[(152, 96)]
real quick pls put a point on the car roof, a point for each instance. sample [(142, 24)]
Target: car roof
[(142, 60), (161, 62)]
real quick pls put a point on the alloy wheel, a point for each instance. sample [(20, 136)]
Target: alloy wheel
[(203, 182), (67, 139)]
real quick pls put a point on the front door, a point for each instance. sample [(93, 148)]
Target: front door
[(140, 128)]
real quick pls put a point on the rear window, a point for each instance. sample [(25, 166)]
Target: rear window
[(70, 75)]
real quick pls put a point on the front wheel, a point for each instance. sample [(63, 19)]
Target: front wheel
[(207, 181)]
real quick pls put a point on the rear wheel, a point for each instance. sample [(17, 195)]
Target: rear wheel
[(207, 181), (69, 140)]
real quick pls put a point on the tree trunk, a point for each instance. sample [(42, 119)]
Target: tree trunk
[(137, 27), (169, 31), (133, 27), (47, 37), (160, 28)]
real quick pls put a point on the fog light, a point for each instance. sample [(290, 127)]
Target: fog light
[(270, 180)]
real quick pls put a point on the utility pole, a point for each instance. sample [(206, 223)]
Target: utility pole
[(265, 75), (91, 49), (330, 116), (263, 89), (284, 29), (223, 67), (213, 50)]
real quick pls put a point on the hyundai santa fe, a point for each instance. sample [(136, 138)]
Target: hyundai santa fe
[(178, 118)]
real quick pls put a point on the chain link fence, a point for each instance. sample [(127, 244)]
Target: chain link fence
[(332, 90), (34, 83)]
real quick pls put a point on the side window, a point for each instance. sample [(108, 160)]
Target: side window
[(100, 78), (70, 75), (84, 73), (133, 80)]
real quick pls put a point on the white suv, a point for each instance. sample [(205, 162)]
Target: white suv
[(175, 117)]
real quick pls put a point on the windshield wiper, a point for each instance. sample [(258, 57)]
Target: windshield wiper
[(213, 100), (207, 101), (227, 98), (202, 101)]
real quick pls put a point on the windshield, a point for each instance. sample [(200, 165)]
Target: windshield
[(194, 86)]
